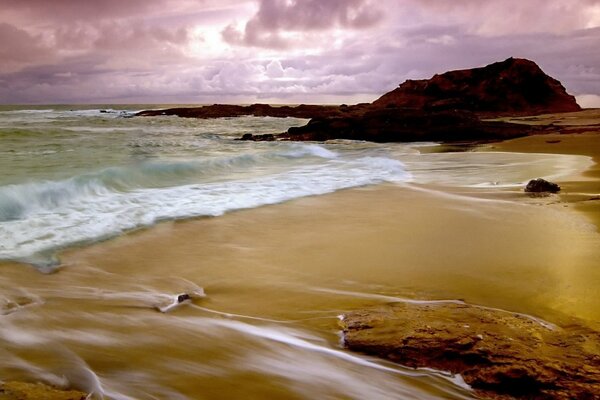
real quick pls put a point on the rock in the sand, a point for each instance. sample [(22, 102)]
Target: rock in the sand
[(183, 297), (501, 355), (541, 185), (37, 391)]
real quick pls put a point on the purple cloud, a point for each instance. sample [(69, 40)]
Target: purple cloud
[(274, 17), (279, 51)]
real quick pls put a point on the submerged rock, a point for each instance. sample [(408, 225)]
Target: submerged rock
[(180, 299), (183, 297), (37, 391), (541, 185), (501, 355)]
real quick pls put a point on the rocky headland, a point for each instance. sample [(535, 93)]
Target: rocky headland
[(448, 107), (501, 355), (514, 86)]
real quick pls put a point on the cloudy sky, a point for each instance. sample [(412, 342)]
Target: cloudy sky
[(284, 51)]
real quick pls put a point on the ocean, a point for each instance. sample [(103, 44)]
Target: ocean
[(72, 175)]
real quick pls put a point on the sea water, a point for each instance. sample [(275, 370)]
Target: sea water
[(72, 175)]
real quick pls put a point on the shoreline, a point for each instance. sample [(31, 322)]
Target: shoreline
[(301, 263), (583, 192)]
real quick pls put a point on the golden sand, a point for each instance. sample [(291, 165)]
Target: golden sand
[(303, 262)]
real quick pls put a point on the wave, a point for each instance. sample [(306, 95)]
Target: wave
[(54, 113), (40, 217), (17, 200), (24, 111)]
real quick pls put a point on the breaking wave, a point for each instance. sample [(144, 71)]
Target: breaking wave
[(41, 217)]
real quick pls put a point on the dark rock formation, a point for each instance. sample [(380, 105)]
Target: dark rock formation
[(37, 391), (511, 87), (443, 108), (183, 297), (501, 355), (401, 125), (258, 110), (541, 185)]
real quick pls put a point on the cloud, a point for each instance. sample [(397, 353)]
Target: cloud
[(281, 23), (277, 50), (73, 10), (18, 48), (589, 100), (510, 17)]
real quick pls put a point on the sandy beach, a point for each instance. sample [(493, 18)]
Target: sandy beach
[(300, 264), (269, 283), (299, 199)]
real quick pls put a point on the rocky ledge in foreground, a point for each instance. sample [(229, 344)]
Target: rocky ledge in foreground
[(501, 355), (37, 391)]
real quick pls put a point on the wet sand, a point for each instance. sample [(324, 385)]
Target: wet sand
[(410, 242), (582, 192), (277, 277), (296, 266)]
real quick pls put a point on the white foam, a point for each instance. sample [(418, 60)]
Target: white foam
[(394, 299), (95, 212), (308, 367), (300, 150), (492, 169)]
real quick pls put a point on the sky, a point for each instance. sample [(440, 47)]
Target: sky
[(280, 51)]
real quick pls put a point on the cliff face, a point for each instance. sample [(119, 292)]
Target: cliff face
[(514, 86)]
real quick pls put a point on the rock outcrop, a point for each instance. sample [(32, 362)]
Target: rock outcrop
[(501, 355), (257, 110), (515, 86), (401, 125), (540, 185), (37, 391), (446, 108)]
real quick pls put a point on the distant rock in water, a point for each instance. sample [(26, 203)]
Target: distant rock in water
[(515, 86), (541, 185), (501, 355), (257, 110)]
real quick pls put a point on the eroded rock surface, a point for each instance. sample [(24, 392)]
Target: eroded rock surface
[(540, 185), (502, 355), (37, 391), (514, 86), (400, 125)]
